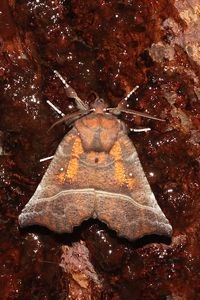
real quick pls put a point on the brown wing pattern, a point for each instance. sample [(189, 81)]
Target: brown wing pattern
[(56, 203), (111, 187), (134, 212)]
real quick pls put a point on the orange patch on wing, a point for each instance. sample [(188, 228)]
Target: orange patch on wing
[(119, 168), (73, 165), (61, 177), (131, 183)]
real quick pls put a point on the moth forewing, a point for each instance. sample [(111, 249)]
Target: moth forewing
[(96, 173)]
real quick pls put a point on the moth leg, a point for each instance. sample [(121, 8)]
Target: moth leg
[(71, 93), (46, 158), (140, 129), (55, 108)]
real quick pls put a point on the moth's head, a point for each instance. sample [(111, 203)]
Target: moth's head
[(99, 105)]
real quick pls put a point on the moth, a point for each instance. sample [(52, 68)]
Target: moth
[(96, 173)]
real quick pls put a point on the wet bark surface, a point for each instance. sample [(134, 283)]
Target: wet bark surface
[(108, 47)]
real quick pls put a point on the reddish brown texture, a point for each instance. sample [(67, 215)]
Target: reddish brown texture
[(84, 283), (107, 47)]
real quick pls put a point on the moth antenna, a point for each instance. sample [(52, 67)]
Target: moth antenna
[(130, 93), (142, 114), (121, 103), (117, 111), (71, 92)]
